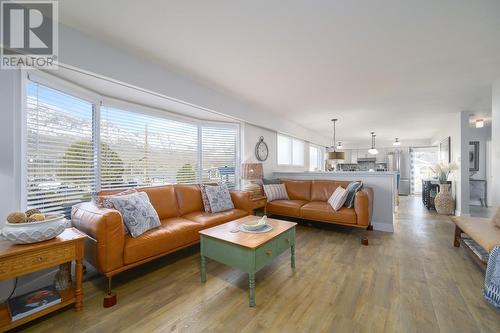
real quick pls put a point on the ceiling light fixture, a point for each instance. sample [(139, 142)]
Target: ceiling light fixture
[(339, 146), (396, 142), (335, 155), (373, 150), (479, 123)]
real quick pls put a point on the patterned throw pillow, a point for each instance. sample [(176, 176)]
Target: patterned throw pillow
[(137, 212), (219, 198), (338, 197), (496, 218), (275, 192), (102, 201), (204, 198), (352, 188)]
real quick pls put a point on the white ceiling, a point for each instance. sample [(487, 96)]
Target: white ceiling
[(400, 68)]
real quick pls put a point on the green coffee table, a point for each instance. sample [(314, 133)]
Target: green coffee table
[(247, 252)]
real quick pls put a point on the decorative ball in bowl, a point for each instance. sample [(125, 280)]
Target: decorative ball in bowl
[(35, 228)]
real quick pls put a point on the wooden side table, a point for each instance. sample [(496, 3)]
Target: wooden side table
[(258, 203), (16, 260)]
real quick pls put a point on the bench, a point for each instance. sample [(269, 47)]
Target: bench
[(481, 230)]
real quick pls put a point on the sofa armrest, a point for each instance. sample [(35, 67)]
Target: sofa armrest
[(242, 200), (363, 206), (105, 227)]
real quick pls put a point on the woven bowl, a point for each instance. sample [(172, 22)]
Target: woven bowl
[(33, 232)]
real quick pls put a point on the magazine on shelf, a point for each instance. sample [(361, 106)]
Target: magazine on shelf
[(32, 302)]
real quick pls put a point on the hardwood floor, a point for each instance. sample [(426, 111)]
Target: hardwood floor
[(411, 281)]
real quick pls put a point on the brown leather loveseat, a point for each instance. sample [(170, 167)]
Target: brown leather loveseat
[(308, 199), (181, 213)]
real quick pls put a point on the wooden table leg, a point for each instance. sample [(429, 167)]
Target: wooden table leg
[(292, 259), (79, 289), (251, 285), (203, 269)]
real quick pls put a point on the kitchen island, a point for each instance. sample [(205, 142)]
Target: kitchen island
[(384, 185)]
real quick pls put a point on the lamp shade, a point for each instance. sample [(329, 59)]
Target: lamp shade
[(336, 155), (251, 171)]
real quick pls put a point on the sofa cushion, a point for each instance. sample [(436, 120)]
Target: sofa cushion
[(321, 190), (338, 197), (188, 198), (321, 211), (285, 207), (298, 189), (173, 233), (352, 188), (212, 219), (137, 212), (219, 198), (204, 198), (275, 192), (481, 230), (163, 200)]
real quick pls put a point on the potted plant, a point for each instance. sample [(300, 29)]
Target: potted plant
[(443, 201)]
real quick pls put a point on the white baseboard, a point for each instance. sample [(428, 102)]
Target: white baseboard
[(386, 227)]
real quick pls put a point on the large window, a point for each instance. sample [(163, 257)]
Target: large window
[(143, 150), (60, 149), (70, 155), (290, 151), (316, 158)]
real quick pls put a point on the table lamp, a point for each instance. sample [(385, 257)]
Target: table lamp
[(252, 172)]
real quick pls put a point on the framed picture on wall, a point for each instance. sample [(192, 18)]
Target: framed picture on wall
[(474, 156), (445, 150)]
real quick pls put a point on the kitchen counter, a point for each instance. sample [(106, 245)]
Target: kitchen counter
[(383, 183)]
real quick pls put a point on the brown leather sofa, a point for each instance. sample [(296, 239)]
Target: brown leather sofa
[(181, 212), (308, 199)]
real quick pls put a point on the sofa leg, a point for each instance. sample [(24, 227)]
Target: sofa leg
[(110, 297), (456, 239), (364, 241), (369, 228)]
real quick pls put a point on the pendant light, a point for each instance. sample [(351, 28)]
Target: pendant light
[(373, 150), (335, 155), (396, 142)]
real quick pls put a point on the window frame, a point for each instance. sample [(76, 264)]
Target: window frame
[(97, 100), (291, 138)]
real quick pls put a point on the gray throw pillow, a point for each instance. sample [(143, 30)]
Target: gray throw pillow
[(137, 212), (219, 198), (352, 189), (204, 198)]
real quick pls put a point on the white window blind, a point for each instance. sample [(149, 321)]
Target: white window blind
[(144, 150), (316, 158), (284, 150), (298, 147), (60, 153), (218, 156), (290, 151)]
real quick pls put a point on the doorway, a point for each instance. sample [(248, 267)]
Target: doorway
[(422, 159)]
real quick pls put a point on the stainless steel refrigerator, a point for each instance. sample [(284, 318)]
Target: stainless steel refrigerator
[(399, 160)]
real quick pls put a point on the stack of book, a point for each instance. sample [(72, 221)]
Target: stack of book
[(27, 304)]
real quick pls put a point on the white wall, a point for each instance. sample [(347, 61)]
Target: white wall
[(495, 138)]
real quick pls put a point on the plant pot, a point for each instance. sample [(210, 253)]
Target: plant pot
[(444, 203)]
